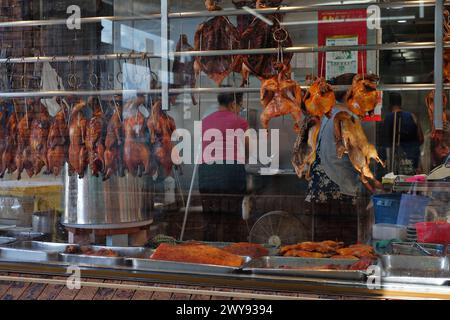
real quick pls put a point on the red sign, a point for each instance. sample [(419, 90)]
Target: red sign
[(342, 23)]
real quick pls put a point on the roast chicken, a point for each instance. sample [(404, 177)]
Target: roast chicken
[(161, 126), (304, 152), (136, 151), (351, 139), (24, 154), (259, 34), (58, 141), (95, 137), (319, 99), (113, 144), (362, 97), (436, 135), (280, 95), (78, 154), (183, 67), (40, 128), (218, 33), (9, 153)]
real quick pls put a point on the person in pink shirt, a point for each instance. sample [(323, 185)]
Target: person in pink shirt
[(222, 175)]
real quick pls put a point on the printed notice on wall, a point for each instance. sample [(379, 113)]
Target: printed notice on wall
[(341, 62)]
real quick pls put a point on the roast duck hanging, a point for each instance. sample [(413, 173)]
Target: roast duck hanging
[(318, 101), (259, 35), (362, 97), (161, 127), (58, 141), (8, 164), (114, 143), (183, 67), (78, 153), (3, 130), (136, 150), (446, 50), (436, 135), (95, 137), (351, 139), (24, 157), (40, 129), (280, 95), (217, 33)]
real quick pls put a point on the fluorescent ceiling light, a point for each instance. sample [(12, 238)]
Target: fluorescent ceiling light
[(401, 21)]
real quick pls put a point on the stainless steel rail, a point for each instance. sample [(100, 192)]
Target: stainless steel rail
[(43, 94), (438, 65), (329, 5), (296, 49)]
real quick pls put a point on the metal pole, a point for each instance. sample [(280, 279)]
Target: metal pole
[(296, 49), (438, 64), (56, 93), (165, 54)]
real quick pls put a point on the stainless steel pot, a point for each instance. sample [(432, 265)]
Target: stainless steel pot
[(115, 203), (44, 222)]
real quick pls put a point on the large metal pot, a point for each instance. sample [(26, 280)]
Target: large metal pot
[(115, 203)]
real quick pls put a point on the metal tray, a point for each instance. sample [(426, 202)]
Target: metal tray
[(124, 252), (83, 259), (6, 240), (24, 255), (415, 266), (271, 266), (418, 249), (128, 252), (51, 247), (22, 235), (171, 266)]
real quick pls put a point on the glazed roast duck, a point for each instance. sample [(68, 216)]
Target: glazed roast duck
[(318, 101), (9, 153), (183, 67), (24, 156), (362, 97), (95, 137), (217, 33), (113, 144), (58, 141), (40, 129), (280, 95), (78, 153), (161, 126), (436, 135), (136, 151), (258, 35), (351, 139)]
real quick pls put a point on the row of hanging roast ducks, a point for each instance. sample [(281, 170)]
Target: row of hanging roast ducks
[(113, 139)]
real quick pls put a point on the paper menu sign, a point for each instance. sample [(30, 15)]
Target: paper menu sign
[(340, 62)]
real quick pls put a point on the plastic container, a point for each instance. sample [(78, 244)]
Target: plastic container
[(386, 207), (433, 232), (386, 231)]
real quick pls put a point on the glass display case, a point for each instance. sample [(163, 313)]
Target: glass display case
[(267, 144)]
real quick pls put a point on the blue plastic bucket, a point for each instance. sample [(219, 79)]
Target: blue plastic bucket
[(386, 207)]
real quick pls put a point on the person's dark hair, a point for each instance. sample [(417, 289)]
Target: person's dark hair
[(395, 99), (345, 79), (226, 98)]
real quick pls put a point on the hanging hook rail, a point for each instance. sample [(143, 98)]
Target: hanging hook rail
[(330, 5), (294, 49)]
